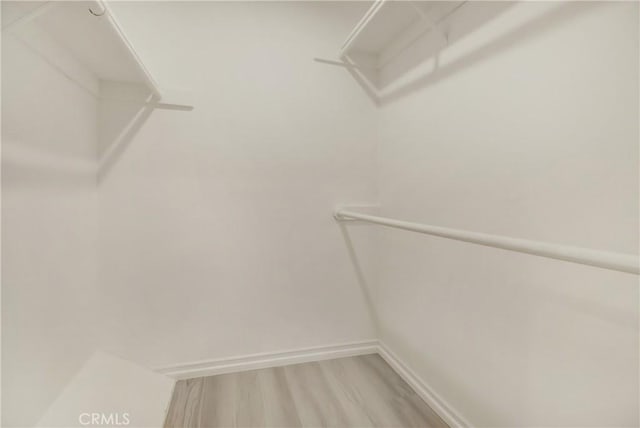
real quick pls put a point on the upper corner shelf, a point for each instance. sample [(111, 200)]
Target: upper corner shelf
[(90, 34), (389, 26)]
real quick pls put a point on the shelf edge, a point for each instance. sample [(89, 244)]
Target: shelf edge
[(146, 75), (361, 25)]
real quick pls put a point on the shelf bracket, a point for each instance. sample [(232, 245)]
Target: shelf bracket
[(341, 64)]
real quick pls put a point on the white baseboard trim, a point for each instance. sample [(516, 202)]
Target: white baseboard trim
[(276, 359), (437, 403), (268, 359)]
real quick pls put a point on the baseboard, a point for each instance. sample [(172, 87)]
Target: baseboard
[(268, 359), (319, 353), (437, 403)]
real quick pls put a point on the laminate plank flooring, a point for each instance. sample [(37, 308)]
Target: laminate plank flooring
[(361, 391)]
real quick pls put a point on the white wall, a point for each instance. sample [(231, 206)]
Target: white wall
[(49, 232), (216, 229), (529, 129)]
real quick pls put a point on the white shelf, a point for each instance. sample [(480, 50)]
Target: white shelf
[(97, 43), (389, 26)]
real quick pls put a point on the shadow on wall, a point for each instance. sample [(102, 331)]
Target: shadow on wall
[(122, 111), (430, 58), (25, 166), (361, 278), (51, 113), (119, 121)]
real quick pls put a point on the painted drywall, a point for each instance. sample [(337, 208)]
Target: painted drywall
[(527, 127), (54, 374), (204, 278), (49, 235), (217, 238)]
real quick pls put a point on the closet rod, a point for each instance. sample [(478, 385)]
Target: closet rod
[(615, 261)]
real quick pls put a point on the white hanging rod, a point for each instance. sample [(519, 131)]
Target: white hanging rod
[(615, 261)]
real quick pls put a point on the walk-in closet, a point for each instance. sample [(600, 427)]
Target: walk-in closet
[(320, 214)]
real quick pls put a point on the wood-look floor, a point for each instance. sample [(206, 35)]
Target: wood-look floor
[(361, 391)]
